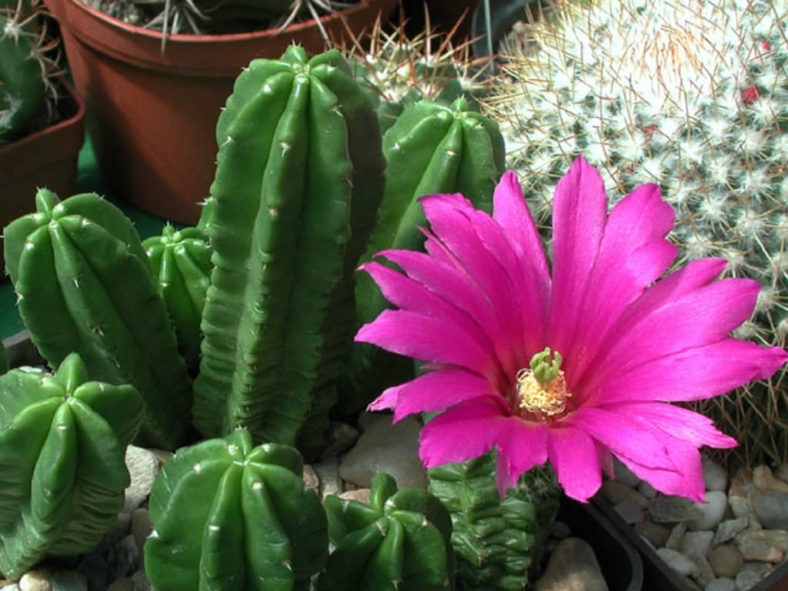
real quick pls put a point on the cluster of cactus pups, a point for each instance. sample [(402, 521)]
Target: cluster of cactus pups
[(238, 331), (27, 94), (692, 96)]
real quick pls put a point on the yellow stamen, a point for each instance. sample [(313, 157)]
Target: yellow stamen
[(545, 399)]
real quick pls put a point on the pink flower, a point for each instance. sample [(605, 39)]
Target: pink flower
[(482, 306)]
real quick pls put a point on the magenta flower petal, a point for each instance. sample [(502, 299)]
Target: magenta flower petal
[(521, 446), (432, 392), (579, 218), (694, 374), (466, 431), (573, 455), (685, 481), (426, 338)]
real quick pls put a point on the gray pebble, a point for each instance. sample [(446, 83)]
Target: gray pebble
[(143, 468), (36, 580), (572, 566), (751, 574), (721, 584), (676, 534), (714, 477), (68, 580), (764, 480), (781, 472), (629, 512), (762, 545), (648, 491), (560, 530), (617, 492), (672, 509), (328, 475), (655, 533), (771, 508), (624, 475), (729, 528), (696, 543), (711, 512), (678, 562)]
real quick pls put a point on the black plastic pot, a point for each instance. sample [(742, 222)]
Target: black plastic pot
[(657, 575), (621, 565)]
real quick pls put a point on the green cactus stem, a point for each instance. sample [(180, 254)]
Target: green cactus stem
[(432, 148), (233, 517), (83, 285), (62, 469), (400, 540), (181, 262), (498, 541), (298, 182)]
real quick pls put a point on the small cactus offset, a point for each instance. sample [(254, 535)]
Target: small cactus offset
[(400, 540), (62, 469), (181, 262), (230, 516), (692, 96), (297, 186), (498, 541), (432, 148), (24, 85), (83, 285)]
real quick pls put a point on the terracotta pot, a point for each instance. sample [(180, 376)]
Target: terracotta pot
[(152, 113), (47, 158)]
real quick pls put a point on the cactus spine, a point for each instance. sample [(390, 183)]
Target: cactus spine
[(83, 285), (399, 541), (297, 186), (432, 148), (181, 262), (230, 516), (498, 540), (692, 96), (62, 469)]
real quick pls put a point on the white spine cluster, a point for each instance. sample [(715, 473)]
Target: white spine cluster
[(689, 94)]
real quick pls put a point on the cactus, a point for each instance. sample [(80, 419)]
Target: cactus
[(298, 182), (400, 540), (692, 96), (83, 285), (181, 261), (62, 469), (23, 77), (498, 541), (398, 71), (432, 148), (230, 516)]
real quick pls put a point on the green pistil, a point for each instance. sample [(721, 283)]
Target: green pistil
[(546, 366)]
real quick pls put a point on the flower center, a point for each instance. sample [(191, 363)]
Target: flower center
[(541, 387)]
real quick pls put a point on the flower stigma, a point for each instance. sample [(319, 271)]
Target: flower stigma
[(541, 387)]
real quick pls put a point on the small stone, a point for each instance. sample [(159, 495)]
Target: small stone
[(696, 543), (714, 477), (339, 439), (726, 560), (676, 534), (629, 512), (124, 558), (705, 574), (384, 447), (560, 530), (721, 584), (161, 454), (711, 512), (678, 562), (141, 527), (742, 508), (36, 580), (123, 584), (68, 580), (752, 573), (672, 509), (648, 491), (653, 532), (765, 481), (781, 472), (729, 528), (328, 474), (141, 582), (742, 484), (310, 478), (762, 545), (143, 468), (361, 495), (771, 508), (616, 492), (572, 567), (624, 475)]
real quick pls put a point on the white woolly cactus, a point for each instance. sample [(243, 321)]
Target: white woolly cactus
[(691, 95)]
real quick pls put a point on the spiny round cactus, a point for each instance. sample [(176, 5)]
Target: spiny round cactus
[(692, 96)]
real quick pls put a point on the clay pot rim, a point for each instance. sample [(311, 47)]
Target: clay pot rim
[(189, 39)]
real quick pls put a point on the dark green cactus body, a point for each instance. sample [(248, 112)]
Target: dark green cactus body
[(432, 148), (62, 470), (497, 541), (84, 285), (181, 261), (230, 516), (22, 86), (399, 541), (298, 182)]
